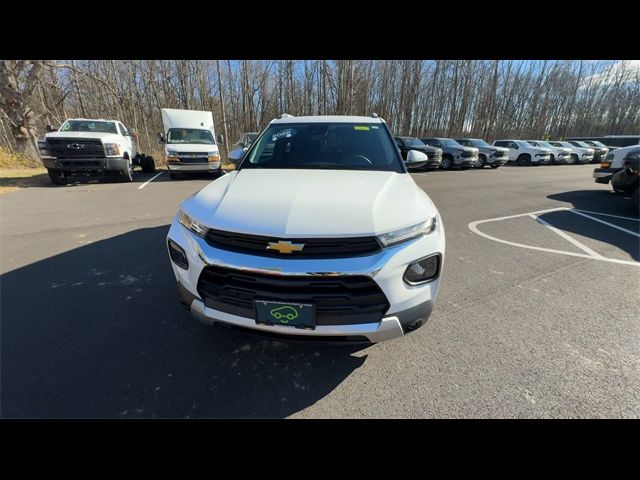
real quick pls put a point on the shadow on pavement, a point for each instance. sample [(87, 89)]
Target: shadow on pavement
[(601, 201), (98, 332)]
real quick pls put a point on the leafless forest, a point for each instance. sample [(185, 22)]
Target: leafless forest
[(487, 99)]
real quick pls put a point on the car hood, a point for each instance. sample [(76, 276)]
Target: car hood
[(491, 148), (310, 203), (105, 137)]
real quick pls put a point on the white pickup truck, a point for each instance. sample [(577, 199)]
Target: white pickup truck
[(92, 147)]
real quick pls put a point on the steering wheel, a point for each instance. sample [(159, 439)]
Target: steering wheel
[(362, 159)]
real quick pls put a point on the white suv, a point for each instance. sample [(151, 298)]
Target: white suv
[(319, 233), (524, 153), (578, 154), (559, 155)]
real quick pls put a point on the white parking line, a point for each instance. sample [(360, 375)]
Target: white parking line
[(605, 223), (607, 214), (150, 180), (473, 226), (572, 240)]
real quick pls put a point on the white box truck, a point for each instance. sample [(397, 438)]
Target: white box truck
[(189, 140)]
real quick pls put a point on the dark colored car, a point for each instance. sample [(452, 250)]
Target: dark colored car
[(454, 154), (488, 154), (599, 152), (627, 180), (405, 144)]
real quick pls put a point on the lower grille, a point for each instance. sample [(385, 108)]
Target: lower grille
[(467, 154), (193, 159), (313, 247), (339, 300), (434, 155)]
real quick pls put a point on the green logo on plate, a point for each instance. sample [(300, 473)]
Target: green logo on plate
[(284, 314)]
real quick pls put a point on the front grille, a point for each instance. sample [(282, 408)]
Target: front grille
[(468, 154), (339, 300), (75, 147), (434, 155), (313, 247)]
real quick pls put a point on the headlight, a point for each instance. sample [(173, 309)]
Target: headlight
[(111, 149), (44, 151), (423, 270), (213, 157), (192, 224), (407, 233)]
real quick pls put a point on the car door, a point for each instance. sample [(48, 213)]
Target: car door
[(513, 151), (127, 140)]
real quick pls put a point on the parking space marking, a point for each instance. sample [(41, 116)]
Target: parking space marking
[(572, 240), (150, 180), (605, 223), (473, 226), (607, 214)]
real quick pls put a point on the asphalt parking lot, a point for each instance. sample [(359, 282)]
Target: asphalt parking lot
[(537, 315)]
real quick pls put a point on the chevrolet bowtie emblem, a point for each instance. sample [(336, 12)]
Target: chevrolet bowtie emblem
[(285, 247)]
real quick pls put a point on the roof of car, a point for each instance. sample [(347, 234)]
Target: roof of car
[(93, 119), (327, 119)]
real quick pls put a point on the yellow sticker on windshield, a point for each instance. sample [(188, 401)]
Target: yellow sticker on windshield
[(360, 127)]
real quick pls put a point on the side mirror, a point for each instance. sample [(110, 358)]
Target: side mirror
[(416, 159), (235, 156), (161, 138), (221, 139)]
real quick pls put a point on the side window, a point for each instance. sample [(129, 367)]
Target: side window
[(434, 143), (500, 144), (513, 145), (123, 130), (399, 142)]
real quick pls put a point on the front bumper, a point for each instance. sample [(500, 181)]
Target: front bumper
[(86, 165), (562, 159), (497, 160), (465, 161), (408, 303), (193, 167), (603, 175)]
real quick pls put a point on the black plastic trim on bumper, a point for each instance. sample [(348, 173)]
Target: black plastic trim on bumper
[(413, 314), (86, 164), (607, 174)]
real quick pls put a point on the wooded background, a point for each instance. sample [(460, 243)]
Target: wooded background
[(479, 98)]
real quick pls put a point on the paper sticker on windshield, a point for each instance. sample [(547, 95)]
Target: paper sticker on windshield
[(360, 127), (286, 133)]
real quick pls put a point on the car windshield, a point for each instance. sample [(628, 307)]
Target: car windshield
[(595, 143), (544, 144), (88, 126), (336, 146), (449, 142), (190, 135), (534, 143), (581, 144), (476, 142), (412, 142)]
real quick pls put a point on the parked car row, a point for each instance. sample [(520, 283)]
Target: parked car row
[(467, 153)]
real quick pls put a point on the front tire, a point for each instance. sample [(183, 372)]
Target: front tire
[(126, 174), (56, 176), (495, 166), (447, 161), (482, 160), (575, 159), (524, 159), (553, 159)]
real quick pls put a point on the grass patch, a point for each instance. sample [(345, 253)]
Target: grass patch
[(16, 160), (12, 179)]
